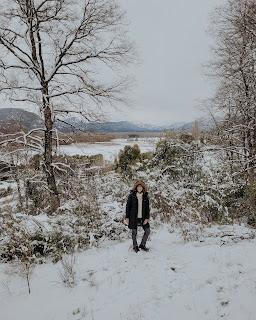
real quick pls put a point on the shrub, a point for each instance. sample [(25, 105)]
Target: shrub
[(128, 157)]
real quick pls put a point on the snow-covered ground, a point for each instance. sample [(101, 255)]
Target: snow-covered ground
[(213, 278), (109, 150)]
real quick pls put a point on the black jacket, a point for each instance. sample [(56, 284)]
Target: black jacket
[(132, 208)]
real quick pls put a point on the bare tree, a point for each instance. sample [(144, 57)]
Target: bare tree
[(234, 65), (62, 56)]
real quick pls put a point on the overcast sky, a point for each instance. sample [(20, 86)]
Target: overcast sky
[(172, 40)]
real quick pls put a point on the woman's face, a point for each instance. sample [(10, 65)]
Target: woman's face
[(139, 188)]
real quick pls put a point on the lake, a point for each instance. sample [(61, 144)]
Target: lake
[(109, 150)]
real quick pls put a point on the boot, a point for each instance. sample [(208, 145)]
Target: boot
[(142, 247), (136, 249)]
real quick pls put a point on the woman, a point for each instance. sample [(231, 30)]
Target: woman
[(137, 214)]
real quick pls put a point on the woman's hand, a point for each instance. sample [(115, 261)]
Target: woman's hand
[(146, 221), (126, 221)]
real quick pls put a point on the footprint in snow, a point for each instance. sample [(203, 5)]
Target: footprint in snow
[(224, 303)]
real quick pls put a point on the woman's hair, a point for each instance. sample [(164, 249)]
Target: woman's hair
[(137, 183)]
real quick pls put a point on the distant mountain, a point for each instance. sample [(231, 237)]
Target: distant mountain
[(11, 118), (75, 124), (18, 118), (203, 123)]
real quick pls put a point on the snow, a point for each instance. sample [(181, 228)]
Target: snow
[(109, 150), (213, 278), (4, 185)]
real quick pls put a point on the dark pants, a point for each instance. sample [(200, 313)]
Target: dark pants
[(146, 229)]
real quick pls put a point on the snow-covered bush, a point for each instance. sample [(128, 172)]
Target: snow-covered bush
[(92, 210), (17, 242), (188, 182), (248, 203), (177, 159)]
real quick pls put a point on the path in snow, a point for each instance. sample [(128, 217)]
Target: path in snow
[(173, 281)]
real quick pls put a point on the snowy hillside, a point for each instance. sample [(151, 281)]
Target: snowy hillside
[(12, 116)]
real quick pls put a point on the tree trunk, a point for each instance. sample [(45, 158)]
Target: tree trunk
[(250, 158), (49, 171)]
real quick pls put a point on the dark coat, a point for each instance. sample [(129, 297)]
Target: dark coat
[(132, 209)]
